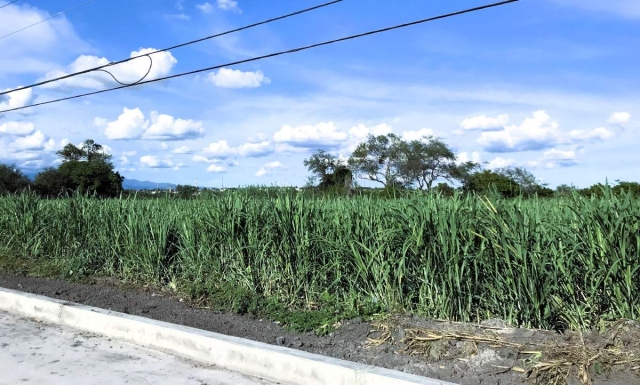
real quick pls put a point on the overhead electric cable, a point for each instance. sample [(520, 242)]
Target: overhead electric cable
[(9, 3), (49, 18), (304, 48), (176, 46)]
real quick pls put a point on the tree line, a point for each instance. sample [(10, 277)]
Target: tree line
[(84, 169), (393, 163)]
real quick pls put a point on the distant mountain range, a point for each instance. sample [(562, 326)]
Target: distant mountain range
[(128, 184), (134, 184)]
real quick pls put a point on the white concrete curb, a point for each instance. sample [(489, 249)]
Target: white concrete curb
[(274, 363)]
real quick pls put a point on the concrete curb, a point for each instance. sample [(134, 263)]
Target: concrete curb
[(274, 363)]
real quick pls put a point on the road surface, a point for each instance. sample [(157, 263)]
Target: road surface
[(37, 353)]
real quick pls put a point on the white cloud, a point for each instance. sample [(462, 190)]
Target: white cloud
[(229, 78), (619, 118), (214, 168), (154, 162), (222, 150), (124, 160), (164, 145), (34, 50), (484, 122), (229, 5), (17, 128), (500, 162), (464, 157), (34, 142), (360, 132), (181, 150), (268, 168), (255, 149), (219, 149), (166, 127), (556, 154), (129, 153), (131, 124), (259, 137), (128, 72), (320, 135), (16, 99), (600, 133), (417, 135), (204, 159), (205, 8)]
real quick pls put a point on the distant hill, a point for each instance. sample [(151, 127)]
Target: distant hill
[(128, 184), (134, 184)]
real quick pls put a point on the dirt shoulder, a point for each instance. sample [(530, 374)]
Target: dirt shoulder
[(460, 353)]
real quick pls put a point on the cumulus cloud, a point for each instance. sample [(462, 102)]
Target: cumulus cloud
[(485, 123), (464, 157), (228, 78), (37, 141), (222, 150), (166, 127), (320, 135), (214, 168), (131, 124), (151, 161), (17, 128), (500, 162), (619, 118), (229, 5), (268, 168), (16, 99), (181, 150), (128, 72), (34, 50), (360, 132), (578, 136), (417, 135), (536, 133), (205, 8)]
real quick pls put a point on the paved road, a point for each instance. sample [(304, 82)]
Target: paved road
[(43, 354)]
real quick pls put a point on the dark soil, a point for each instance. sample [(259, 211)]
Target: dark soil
[(459, 353)]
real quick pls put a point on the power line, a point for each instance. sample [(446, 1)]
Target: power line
[(49, 18), (177, 46), (303, 48), (9, 3)]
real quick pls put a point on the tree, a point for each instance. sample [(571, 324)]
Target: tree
[(483, 181), (330, 170), (425, 161), (391, 161), (379, 159), (86, 169), (186, 191), (12, 180), (528, 183)]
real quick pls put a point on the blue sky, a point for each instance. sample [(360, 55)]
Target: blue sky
[(550, 85)]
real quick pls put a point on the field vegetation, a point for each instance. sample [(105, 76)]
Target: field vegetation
[(309, 261)]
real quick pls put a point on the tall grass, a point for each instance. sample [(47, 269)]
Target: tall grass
[(557, 263)]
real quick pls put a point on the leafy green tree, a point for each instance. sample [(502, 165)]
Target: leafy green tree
[(329, 170), (86, 169), (379, 159), (52, 183), (423, 162), (12, 180), (527, 182), (483, 181), (186, 191)]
